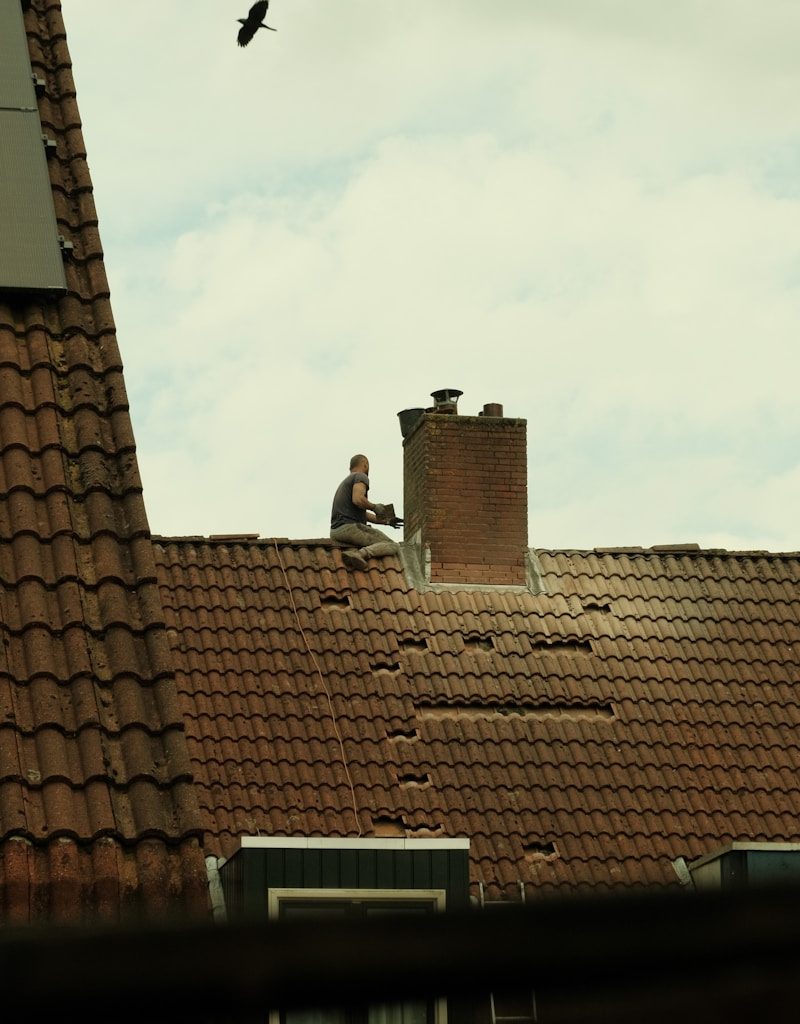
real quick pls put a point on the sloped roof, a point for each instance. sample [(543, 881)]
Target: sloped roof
[(645, 706), (97, 808)]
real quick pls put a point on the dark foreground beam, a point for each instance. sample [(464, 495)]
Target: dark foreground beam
[(719, 957)]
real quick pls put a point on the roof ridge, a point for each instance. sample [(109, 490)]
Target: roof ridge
[(250, 538), (673, 549), (655, 549)]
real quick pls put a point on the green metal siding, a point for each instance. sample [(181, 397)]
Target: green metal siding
[(249, 875), (741, 869)]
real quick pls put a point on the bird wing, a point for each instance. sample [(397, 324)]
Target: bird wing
[(253, 21)]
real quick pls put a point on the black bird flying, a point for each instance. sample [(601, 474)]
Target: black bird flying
[(253, 22)]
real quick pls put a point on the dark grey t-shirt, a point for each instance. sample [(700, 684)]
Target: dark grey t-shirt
[(344, 511)]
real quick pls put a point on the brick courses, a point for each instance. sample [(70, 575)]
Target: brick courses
[(466, 498)]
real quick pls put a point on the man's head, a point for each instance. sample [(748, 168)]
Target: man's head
[(359, 464)]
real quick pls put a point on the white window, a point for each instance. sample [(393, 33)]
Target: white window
[(359, 905)]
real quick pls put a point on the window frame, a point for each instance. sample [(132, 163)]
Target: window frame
[(437, 898)]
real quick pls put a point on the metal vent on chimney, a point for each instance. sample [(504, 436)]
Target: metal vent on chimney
[(446, 400)]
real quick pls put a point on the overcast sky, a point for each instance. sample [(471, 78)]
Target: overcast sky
[(586, 210)]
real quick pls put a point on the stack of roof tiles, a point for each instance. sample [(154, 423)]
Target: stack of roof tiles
[(97, 809), (643, 707)]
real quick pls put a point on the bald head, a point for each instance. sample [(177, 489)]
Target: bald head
[(359, 464)]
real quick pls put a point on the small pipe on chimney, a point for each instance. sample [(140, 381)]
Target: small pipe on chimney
[(408, 420), (492, 409)]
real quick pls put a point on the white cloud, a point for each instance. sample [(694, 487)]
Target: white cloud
[(570, 209)]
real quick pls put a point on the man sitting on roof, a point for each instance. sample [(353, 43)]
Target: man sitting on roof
[(350, 512)]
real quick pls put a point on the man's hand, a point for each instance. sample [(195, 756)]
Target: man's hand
[(384, 514)]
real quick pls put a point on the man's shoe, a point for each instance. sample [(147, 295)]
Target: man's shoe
[(353, 560)]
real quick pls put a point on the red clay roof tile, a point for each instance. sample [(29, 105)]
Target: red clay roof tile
[(641, 708), (628, 715), (92, 743)]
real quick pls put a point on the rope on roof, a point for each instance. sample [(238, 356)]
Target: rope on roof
[(325, 688)]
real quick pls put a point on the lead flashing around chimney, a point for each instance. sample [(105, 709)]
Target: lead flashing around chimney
[(416, 560)]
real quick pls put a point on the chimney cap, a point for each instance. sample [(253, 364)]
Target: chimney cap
[(446, 396)]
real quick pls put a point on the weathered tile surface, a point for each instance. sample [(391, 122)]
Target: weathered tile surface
[(644, 707), (96, 795), (647, 706)]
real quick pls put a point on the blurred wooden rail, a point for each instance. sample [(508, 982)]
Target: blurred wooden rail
[(729, 957)]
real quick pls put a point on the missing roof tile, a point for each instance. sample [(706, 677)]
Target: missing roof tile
[(403, 734), (596, 606), (540, 851), (386, 827), (331, 602), (425, 830), (413, 643), (386, 666), (479, 642), (414, 779), (535, 712), (389, 827), (562, 646)]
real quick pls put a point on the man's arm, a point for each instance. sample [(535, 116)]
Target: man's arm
[(360, 500)]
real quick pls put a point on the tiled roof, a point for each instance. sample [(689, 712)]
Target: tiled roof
[(642, 707), (95, 784), (645, 706)]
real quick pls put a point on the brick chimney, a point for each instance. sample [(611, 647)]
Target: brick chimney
[(466, 492)]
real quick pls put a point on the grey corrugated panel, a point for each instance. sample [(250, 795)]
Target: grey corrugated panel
[(16, 83), (30, 256)]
